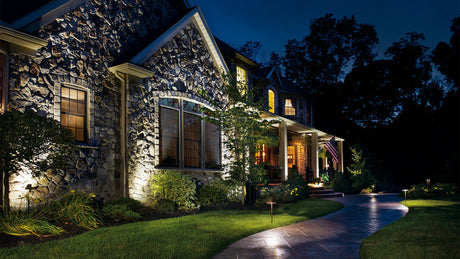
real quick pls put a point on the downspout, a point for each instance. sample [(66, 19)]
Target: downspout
[(123, 132)]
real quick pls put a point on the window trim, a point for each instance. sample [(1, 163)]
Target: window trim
[(87, 109), (181, 141)]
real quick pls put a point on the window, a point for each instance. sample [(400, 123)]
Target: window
[(186, 141), (289, 108), (242, 79), (291, 156), (2, 82), (271, 101), (73, 112)]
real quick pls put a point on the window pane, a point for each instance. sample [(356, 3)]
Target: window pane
[(171, 102), (73, 112), (271, 101), (289, 108), (169, 137), (191, 106), (212, 146), (192, 140)]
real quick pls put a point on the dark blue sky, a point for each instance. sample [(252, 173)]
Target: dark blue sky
[(274, 22)]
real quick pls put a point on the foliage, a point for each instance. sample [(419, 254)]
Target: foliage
[(165, 205), (176, 187), (195, 236), (332, 45), (361, 175), (325, 178), (277, 193), (120, 212), (342, 183), (28, 140), (245, 130), (250, 49), (446, 56), (297, 186), (437, 190), (75, 208), (214, 193), (316, 180), (130, 203), (19, 223)]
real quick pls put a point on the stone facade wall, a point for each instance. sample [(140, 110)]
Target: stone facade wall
[(82, 45), (182, 66)]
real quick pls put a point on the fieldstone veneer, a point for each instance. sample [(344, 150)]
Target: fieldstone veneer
[(82, 45), (181, 67)]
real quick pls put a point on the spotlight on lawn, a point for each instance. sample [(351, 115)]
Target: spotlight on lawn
[(405, 194)]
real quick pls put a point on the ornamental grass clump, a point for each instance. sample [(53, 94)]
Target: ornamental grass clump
[(75, 208), (19, 223), (176, 187)]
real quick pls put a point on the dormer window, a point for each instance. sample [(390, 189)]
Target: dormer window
[(289, 108), (271, 101), (242, 79)]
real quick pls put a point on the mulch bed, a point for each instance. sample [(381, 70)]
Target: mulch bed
[(71, 230)]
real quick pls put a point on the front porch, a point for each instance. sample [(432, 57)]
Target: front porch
[(298, 147)]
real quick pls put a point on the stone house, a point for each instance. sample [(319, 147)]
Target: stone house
[(124, 76)]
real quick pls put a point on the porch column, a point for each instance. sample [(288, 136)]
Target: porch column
[(283, 148), (314, 154), (340, 151)]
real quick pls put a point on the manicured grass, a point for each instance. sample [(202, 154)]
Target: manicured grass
[(431, 229), (197, 236)]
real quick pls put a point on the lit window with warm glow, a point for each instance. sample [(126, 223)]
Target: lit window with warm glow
[(289, 108), (242, 79), (2, 81), (186, 141), (291, 156), (271, 101), (73, 112), (262, 155)]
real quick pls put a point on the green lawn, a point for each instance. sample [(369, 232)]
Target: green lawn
[(431, 229), (197, 236)]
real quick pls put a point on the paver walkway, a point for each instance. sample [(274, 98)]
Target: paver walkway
[(336, 235)]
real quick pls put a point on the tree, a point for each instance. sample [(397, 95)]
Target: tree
[(245, 131), (29, 140), (322, 58), (320, 61), (250, 49), (446, 56)]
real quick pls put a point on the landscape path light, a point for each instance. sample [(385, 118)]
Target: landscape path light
[(271, 203), (405, 194)]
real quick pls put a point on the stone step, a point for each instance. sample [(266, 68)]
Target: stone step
[(318, 191)]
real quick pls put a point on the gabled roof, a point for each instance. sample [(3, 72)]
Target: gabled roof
[(45, 14), (230, 52), (194, 16)]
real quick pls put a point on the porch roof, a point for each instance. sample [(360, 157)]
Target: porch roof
[(296, 127)]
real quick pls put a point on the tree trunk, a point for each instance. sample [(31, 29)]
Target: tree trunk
[(6, 191)]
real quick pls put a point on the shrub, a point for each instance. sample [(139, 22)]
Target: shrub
[(75, 208), (120, 212), (437, 190), (214, 193), (342, 183), (17, 223), (176, 187), (130, 203), (165, 205), (280, 193), (296, 185)]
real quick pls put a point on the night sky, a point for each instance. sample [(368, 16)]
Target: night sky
[(274, 22)]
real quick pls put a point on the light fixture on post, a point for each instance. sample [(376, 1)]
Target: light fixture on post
[(405, 194)]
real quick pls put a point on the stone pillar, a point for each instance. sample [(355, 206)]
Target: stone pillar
[(340, 155), (283, 148), (314, 154)]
